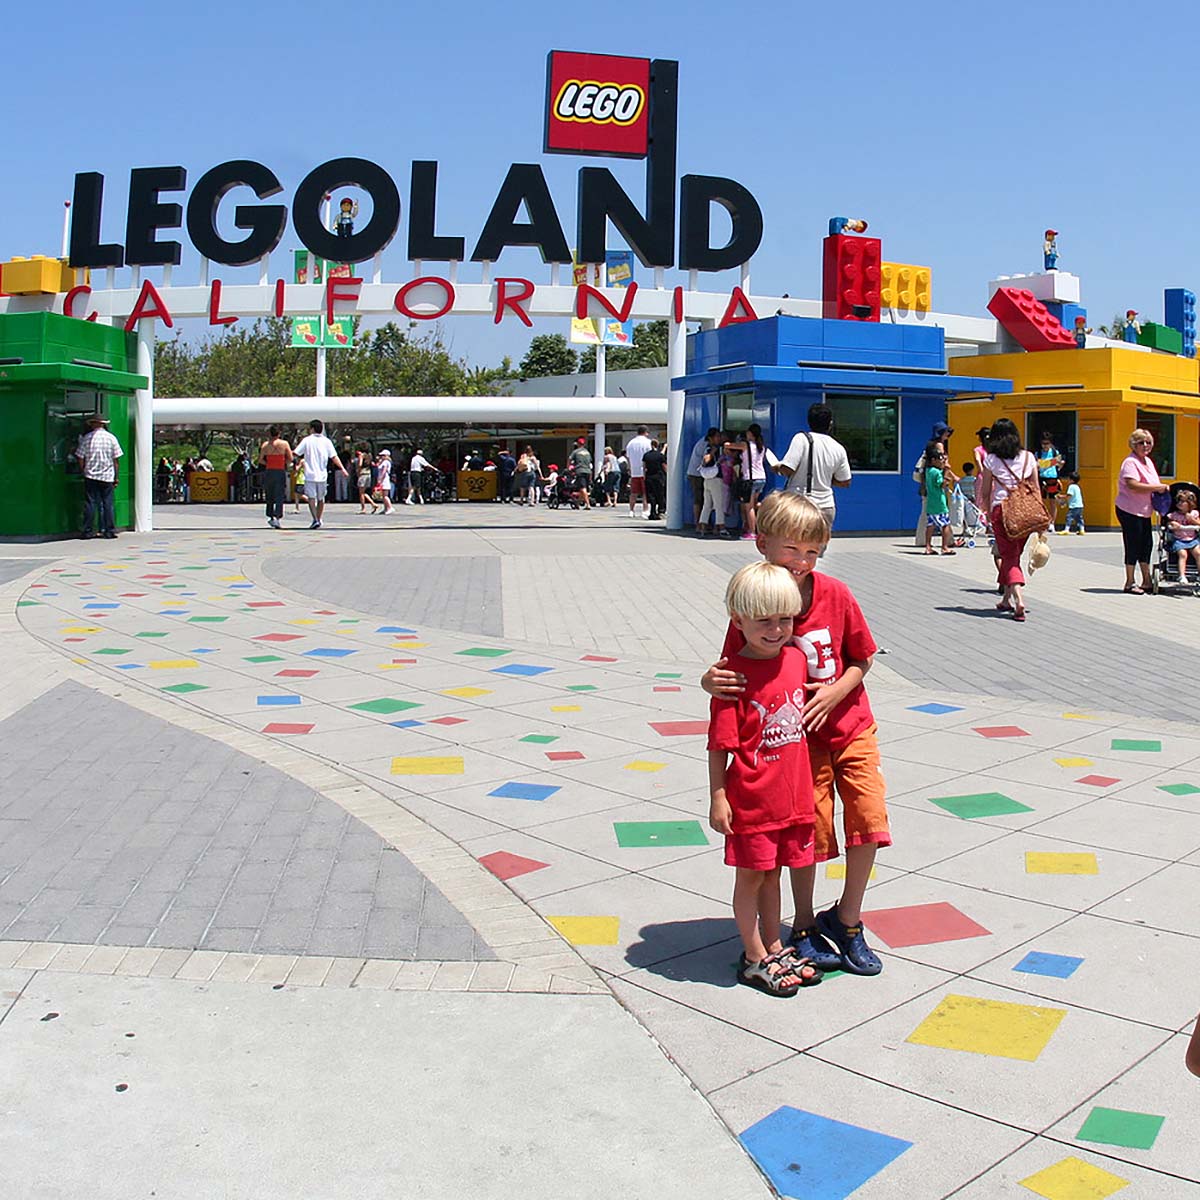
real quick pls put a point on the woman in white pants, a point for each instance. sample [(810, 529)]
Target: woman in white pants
[(716, 494)]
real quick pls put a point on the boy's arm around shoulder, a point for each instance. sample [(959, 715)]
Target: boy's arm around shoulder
[(720, 813)]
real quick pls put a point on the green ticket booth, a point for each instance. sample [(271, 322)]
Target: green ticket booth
[(55, 372)]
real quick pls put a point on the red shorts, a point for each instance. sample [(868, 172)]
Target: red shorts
[(637, 485), (791, 846), (855, 772)]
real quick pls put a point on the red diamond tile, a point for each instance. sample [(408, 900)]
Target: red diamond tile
[(133, 595), (922, 925), (294, 673), (410, 661), (597, 658), (448, 721), (324, 612), (563, 755), (679, 728), (265, 604), (73, 639), (154, 577), (38, 585), (999, 731), (287, 727), (278, 637), (1098, 780), (669, 688), (508, 866)]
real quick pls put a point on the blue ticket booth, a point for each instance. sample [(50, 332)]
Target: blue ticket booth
[(886, 384)]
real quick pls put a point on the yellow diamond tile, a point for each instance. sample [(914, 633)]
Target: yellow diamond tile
[(1074, 1179), (1040, 862), (837, 870), (992, 1027), (81, 660), (428, 765), (1079, 716), (231, 579), (467, 693), (173, 603), (81, 629), (588, 931), (392, 666), (642, 765), (1074, 762), (305, 621), (174, 664), (566, 708), (410, 645), (115, 567)]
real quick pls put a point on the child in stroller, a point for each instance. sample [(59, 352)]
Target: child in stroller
[(966, 516), (1178, 538), (555, 487)]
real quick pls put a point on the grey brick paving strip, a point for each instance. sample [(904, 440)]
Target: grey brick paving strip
[(11, 569), (117, 828), (456, 593)]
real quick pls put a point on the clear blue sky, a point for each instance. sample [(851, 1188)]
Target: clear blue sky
[(959, 133)]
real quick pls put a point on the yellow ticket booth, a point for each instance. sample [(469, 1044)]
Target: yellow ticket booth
[(477, 485), (209, 487), (1090, 401)]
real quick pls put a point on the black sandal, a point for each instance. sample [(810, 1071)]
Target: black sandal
[(760, 976)]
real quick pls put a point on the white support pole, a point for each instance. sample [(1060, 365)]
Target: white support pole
[(554, 274), (377, 268), (745, 285), (168, 271), (676, 457), (204, 272), (326, 213), (264, 270), (143, 432), (598, 456), (321, 372), (601, 370), (66, 242), (660, 279)]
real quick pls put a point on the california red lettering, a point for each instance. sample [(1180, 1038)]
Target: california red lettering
[(149, 306), (504, 300), (214, 306)]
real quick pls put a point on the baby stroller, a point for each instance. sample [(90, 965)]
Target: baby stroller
[(1165, 569), (967, 519), (562, 495), (435, 488)]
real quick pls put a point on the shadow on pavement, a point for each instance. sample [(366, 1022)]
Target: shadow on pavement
[(688, 950)]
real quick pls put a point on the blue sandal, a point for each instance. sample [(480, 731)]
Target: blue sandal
[(808, 945), (856, 956)]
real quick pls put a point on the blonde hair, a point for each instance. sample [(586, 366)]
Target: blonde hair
[(762, 590), (1139, 435), (790, 515)]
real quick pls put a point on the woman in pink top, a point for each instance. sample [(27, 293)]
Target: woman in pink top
[(1004, 466), (1137, 482)]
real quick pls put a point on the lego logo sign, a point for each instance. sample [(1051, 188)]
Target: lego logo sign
[(597, 104)]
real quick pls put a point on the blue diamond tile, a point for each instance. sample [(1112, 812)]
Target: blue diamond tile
[(129, 666), (934, 709), (394, 629), (409, 724), (809, 1157), (277, 701), (520, 669), (100, 605), (173, 612), (204, 650), (1060, 966), (241, 585), (524, 791), (328, 652)]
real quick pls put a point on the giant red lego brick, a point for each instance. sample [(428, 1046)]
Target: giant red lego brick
[(851, 278), (1033, 325)]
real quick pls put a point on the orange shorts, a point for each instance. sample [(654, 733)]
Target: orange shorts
[(856, 774)]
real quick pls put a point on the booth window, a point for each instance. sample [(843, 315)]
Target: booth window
[(869, 428), (66, 423), (1161, 426), (737, 411)]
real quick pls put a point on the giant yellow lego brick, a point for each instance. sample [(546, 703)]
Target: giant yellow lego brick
[(992, 1027), (426, 764), (36, 276), (1073, 1179), (588, 931), (905, 287), (1045, 863)]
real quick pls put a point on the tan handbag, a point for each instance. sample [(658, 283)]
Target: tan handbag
[(1022, 510)]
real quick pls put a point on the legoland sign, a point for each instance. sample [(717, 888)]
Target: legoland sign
[(601, 105)]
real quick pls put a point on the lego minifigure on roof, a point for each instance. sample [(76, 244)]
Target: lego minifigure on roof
[(846, 225), (1081, 332), (1132, 325), (1050, 250), (348, 210)]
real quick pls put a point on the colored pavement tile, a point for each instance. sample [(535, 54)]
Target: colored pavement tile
[(643, 765), (1179, 789), (277, 701), (174, 664), (1098, 780), (385, 705), (640, 834), (409, 724), (1044, 862), (328, 652), (504, 865), (540, 739), (428, 764), (922, 925), (112, 650), (207, 620), (565, 707), (598, 658), (581, 687), (1001, 731), (1073, 762), (1147, 745), (295, 673), (934, 709), (588, 931), (669, 688), (1115, 1127), (287, 727), (679, 728), (810, 1157), (277, 637), (520, 669), (524, 791), (1056, 966), (184, 688), (150, 633), (448, 721), (264, 658), (996, 1028), (982, 804), (1073, 1179), (564, 755), (484, 652), (386, 628), (467, 693), (668, 675)]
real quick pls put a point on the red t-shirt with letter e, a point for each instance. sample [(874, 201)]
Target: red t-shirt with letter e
[(768, 782), (831, 634)]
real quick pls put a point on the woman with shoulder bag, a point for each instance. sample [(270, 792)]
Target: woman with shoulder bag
[(1008, 489), (1137, 482), (362, 480)]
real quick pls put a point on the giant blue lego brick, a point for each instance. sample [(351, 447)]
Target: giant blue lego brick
[(1066, 313), (1179, 306)]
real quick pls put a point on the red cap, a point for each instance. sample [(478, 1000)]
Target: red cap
[(1052, 233), (581, 441)]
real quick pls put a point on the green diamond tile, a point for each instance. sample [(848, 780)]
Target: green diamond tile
[(1114, 1127), (174, 585), (147, 633), (193, 568), (659, 833), (207, 620), (28, 603), (669, 675), (485, 652), (1151, 745), (385, 705), (349, 621), (540, 739), (982, 804), (1179, 789), (185, 687), (262, 658), (581, 687), (112, 650)]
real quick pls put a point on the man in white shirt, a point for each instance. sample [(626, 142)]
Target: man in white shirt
[(417, 467), (634, 452), (695, 479), (99, 454), (830, 466), (318, 452)]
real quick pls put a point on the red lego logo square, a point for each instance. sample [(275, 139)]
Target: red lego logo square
[(597, 104)]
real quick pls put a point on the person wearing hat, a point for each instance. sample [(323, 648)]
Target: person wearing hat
[(98, 454), (383, 478), (940, 433), (1050, 251), (695, 479), (581, 461)]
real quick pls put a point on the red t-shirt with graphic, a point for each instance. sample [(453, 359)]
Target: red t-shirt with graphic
[(831, 634), (768, 782)]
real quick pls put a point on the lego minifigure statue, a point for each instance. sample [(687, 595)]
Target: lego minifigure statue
[(1050, 250), (846, 225), (1081, 332), (1132, 325), (345, 218)]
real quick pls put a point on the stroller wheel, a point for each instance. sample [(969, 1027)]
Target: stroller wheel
[(1155, 580)]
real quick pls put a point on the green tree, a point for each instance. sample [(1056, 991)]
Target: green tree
[(649, 349), (548, 354)]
